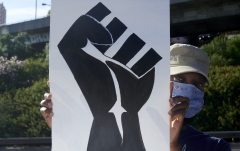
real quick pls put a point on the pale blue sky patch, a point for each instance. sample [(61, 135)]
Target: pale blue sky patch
[(18, 11)]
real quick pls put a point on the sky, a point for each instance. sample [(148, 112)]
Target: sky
[(23, 10)]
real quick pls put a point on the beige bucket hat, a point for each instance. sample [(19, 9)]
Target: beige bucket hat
[(187, 58)]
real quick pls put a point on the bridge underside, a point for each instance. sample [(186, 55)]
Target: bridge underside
[(194, 17), (187, 18), (196, 27)]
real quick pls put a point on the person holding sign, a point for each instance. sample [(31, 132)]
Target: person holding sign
[(189, 75)]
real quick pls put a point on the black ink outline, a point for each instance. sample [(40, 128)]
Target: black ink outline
[(96, 83)]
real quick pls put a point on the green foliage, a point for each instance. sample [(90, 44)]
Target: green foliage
[(49, 13), (22, 75), (223, 51), (34, 69), (46, 52), (11, 45), (22, 85), (222, 97), (222, 101), (233, 50), (217, 46), (19, 112), (9, 70), (20, 97), (218, 60)]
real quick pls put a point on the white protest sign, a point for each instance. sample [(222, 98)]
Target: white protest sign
[(109, 74)]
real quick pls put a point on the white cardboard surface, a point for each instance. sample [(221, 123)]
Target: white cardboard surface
[(73, 119)]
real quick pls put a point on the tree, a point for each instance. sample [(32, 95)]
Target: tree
[(9, 70), (218, 60), (222, 101), (20, 97), (46, 52), (223, 51), (16, 74), (11, 45), (221, 109), (233, 50), (22, 84), (19, 112)]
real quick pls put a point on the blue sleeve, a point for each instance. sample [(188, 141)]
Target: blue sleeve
[(223, 146)]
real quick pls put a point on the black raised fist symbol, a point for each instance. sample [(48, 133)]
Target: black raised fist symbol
[(96, 83)]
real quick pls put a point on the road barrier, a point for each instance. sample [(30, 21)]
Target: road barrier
[(233, 136)]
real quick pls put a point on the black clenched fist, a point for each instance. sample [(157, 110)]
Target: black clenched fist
[(96, 83)]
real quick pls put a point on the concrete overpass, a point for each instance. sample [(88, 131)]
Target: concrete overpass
[(187, 18), (193, 17)]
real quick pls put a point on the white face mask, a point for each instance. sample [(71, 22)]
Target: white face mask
[(193, 93)]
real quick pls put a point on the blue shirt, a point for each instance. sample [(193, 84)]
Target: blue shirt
[(194, 140)]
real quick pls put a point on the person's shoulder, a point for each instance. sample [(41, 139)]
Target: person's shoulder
[(194, 138), (191, 132), (220, 143)]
